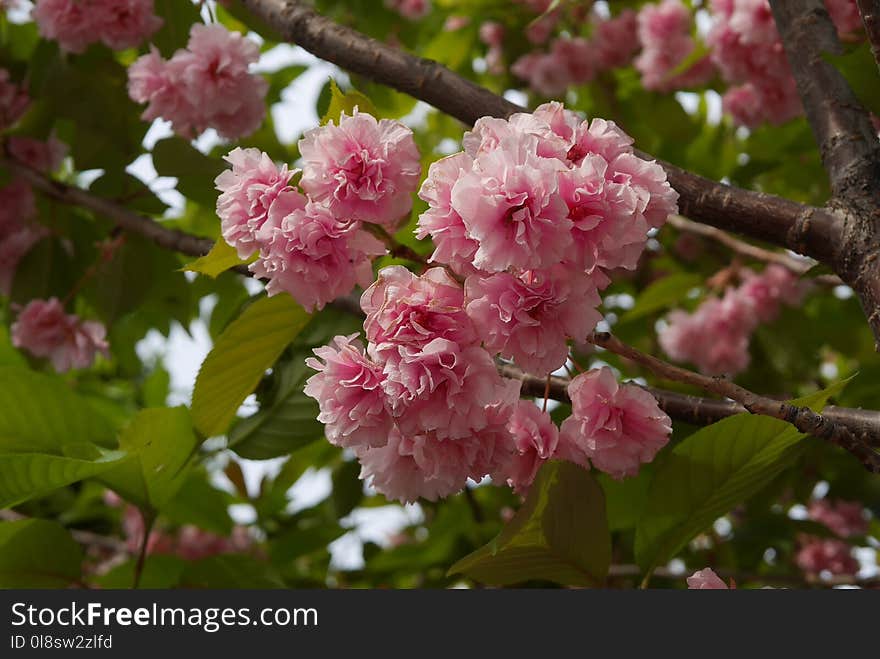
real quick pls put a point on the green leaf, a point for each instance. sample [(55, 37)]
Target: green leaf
[(25, 476), (346, 103), (712, 471), (860, 70), (160, 442), (348, 488), (663, 293), (45, 271), (221, 258), (231, 571), (559, 534), (195, 172), (243, 352), (9, 356), (198, 502), (160, 571), (41, 414), (38, 553), (178, 17), (289, 423)]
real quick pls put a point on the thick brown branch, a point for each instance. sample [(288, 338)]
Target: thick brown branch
[(847, 140), (128, 220), (698, 411), (870, 10), (802, 418), (803, 229)]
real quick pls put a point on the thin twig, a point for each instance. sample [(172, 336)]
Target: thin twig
[(149, 518)]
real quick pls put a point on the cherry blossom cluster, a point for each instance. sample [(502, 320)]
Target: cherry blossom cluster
[(716, 336), (76, 24), (576, 60), (833, 555), (206, 85), (424, 408), (533, 213), (314, 244), (19, 231), (45, 330)]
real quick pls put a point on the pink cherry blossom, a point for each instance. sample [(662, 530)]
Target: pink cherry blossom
[(444, 388), (44, 330), (600, 137), (618, 427), (410, 9), (826, 555), (248, 192), (543, 72), (362, 169), (510, 204), (846, 16), (492, 33), (615, 40), (705, 579), (75, 24), (313, 255), (405, 309), (14, 100), (664, 31), (348, 388), (765, 292), (535, 438), (452, 245), (206, 85), (530, 317), (845, 518), (37, 154)]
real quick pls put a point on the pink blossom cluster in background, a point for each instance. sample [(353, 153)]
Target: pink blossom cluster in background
[(410, 9), (532, 213), (14, 100), (664, 31), (833, 555), (706, 579), (315, 245), (19, 231), (206, 85), (716, 336), (577, 60), (76, 24), (45, 330)]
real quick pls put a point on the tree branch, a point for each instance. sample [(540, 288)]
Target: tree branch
[(847, 141), (870, 10), (128, 220), (864, 424), (802, 418)]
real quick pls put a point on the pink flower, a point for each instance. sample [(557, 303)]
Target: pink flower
[(75, 24), (44, 330), (664, 31), (766, 291), (207, 85), (705, 579), (249, 190), (510, 204), (743, 104), (543, 72), (14, 100), (410, 310), (656, 199), (348, 388), (845, 518), (535, 438), (615, 40), (313, 255), (529, 317), (410, 9), (617, 427), (834, 556), (452, 245), (43, 156), (846, 16), (362, 169), (492, 34), (601, 137)]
